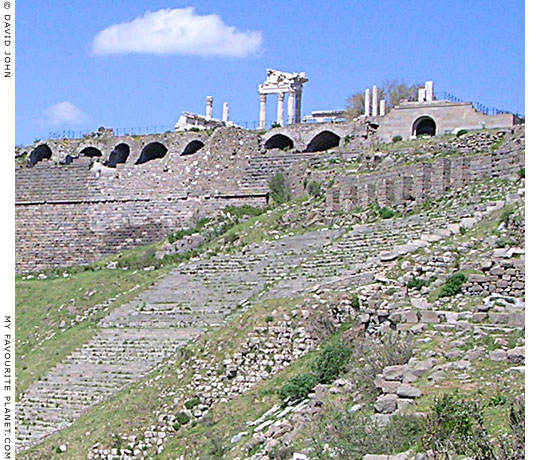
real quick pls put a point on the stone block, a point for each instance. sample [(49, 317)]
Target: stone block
[(498, 355), (429, 317), (516, 355), (408, 391), (498, 318), (393, 372), (386, 404)]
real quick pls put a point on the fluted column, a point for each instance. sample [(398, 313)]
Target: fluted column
[(225, 116), (290, 108), (298, 106), (280, 98), (262, 112)]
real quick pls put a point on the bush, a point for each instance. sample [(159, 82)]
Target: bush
[(351, 436), (396, 139), (461, 132), (279, 189), (314, 188), (182, 418), (455, 426), (386, 213), (453, 285), (244, 210), (298, 387), (331, 362), (417, 283), (192, 403), (355, 302), (521, 173)]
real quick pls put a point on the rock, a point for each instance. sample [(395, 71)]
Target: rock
[(498, 355), (238, 436), (393, 372), (386, 404), (408, 391), (516, 355), (62, 448)]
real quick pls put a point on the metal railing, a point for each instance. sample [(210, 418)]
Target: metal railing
[(477, 105)]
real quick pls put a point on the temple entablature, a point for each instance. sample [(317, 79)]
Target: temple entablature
[(282, 83)]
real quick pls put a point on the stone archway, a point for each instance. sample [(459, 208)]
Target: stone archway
[(192, 147), (119, 155), (323, 141), (152, 151), (424, 126), (279, 141), (91, 152), (41, 152)]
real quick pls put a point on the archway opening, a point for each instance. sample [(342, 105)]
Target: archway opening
[(91, 152), (323, 141), (118, 155), (41, 152), (192, 147), (424, 126), (150, 152), (279, 141)]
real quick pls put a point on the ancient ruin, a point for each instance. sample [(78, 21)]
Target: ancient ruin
[(282, 83)]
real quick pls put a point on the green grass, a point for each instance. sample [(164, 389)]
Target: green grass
[(42, 306)]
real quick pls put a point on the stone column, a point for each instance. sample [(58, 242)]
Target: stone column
[(262, 113), (375, 104), (429, 91), (280, 98), (382, 107), (298, 106), (290, 108), (421, 94), (367, 103), (225, 117), (209, 102)]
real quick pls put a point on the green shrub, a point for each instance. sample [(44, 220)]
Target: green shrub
[(314, 188), (331, 362), (521, 173), (500, 243), (455, 426), (351, 436), (417, 283), (387, 213), (244, 210), (396, 139), (355, 302), (461, 132), (462, 230), (192, 403), (279, 189), (298, 387), (182, 418), (453, 285)]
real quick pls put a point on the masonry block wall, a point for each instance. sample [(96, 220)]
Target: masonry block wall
[(421, 181), (81, 212)]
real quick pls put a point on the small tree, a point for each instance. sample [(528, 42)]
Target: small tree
[(279, 189)]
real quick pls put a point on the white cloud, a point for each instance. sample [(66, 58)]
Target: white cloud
[(179, 31), (63, 112)]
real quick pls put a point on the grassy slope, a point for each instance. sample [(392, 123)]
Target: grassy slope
[(132, 409), (46, 308)]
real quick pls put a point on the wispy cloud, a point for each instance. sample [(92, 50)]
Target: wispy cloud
[(176, 31), (62, 113)]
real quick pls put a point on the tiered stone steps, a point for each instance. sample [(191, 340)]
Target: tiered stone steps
[(139, 335)]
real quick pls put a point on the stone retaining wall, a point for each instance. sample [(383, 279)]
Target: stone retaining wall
[(421, 181)]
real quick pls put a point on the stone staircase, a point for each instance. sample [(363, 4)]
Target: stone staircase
[(139, 335)]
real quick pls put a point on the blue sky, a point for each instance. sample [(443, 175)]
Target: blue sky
[(77, 69)]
